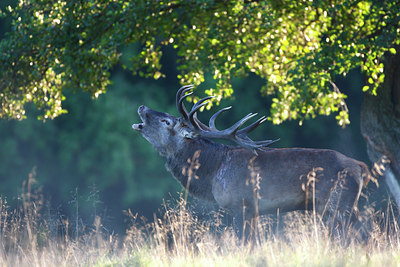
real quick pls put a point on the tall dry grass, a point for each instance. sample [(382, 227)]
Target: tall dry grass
[(29, 236)]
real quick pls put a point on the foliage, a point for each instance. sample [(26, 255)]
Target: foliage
[(92, 148), (298, 47)]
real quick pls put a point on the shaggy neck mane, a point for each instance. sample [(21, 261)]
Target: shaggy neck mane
[(197, 163)]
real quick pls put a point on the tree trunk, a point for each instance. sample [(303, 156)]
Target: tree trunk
[(380, 124)]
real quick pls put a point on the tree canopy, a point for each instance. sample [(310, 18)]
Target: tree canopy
[(298, 47)]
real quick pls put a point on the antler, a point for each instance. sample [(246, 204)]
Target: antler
[(232, 133)]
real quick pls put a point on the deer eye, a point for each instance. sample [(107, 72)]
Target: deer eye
[(165, 121)]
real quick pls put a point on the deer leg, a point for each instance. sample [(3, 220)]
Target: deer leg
[(242, 226), (243, 222), (341, 208)]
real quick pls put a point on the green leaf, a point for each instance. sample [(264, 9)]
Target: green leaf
[(296, 47)]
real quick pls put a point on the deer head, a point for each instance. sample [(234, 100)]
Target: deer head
[(167, 133)]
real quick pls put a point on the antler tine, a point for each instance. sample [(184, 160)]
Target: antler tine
[(266, 142), (234, 128), (181, 92), (252, 126), (192, 115), (200, 124), (179, 100), (183, 98), (240, 137), (215, 116), (197, 105), (232, 133), (254, 146), (183, 88)]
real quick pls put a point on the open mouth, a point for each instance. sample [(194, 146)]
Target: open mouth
[(139, 126)]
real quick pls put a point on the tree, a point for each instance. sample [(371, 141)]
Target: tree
[(298, 47)]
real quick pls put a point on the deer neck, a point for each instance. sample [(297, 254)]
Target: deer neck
[(196, 165)]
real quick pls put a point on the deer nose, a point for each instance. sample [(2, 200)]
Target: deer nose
[(141, 108)]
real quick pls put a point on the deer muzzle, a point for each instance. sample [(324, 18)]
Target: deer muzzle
[(139, 126)]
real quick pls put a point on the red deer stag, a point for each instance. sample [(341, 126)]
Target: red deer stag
[(251, 179)]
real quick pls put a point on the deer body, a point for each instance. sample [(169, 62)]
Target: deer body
[(246, 182), (224, 176)]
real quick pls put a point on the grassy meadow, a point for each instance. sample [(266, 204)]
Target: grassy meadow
[(29, 236)]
